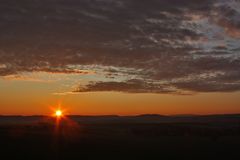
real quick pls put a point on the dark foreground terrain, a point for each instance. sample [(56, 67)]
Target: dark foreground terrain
[(112, 137)]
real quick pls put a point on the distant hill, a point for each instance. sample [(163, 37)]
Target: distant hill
[(146, 118)]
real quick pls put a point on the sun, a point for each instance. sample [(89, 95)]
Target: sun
[(58, 113)]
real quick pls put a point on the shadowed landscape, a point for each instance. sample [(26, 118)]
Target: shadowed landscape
[(120, 137)]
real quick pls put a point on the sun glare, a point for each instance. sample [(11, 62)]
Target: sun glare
[(58, 113)]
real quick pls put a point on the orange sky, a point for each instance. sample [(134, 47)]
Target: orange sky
[(31, 97)]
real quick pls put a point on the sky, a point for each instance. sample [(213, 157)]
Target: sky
[(124, 57)]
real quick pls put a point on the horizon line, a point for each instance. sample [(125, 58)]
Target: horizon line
[(116, 115)]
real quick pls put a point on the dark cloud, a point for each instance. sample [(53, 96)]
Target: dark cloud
[(227, 15), (208, 86), (130, 86), (156, 41)]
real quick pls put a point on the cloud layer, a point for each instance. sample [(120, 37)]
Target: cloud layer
[(140, 46)]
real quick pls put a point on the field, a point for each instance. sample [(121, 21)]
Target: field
[(113, 137)]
